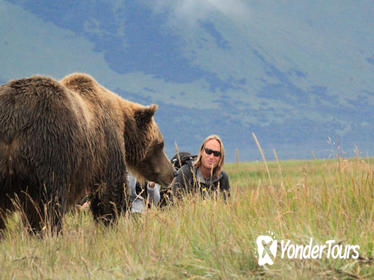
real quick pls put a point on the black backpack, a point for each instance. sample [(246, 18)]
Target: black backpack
[(178, 160), (182, 158)]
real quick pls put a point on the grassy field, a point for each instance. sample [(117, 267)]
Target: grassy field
[(295, 200)]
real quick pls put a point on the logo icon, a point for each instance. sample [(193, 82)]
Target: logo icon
[(267, 249)]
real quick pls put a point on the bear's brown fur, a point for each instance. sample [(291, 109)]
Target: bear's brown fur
[(62, 139)]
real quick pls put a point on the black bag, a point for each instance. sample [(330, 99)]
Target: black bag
[(178, 160), (182, 158)]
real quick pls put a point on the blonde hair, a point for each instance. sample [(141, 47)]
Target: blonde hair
[(218, 169)]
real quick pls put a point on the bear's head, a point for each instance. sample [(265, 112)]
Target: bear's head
[(144, 145)]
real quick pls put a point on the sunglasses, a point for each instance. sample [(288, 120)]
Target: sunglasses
[(209, 152)]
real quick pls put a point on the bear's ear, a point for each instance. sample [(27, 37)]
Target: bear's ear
[(144, 115)]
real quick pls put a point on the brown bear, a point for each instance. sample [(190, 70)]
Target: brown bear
[(62, 139)]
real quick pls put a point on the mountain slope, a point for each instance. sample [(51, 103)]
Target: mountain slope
[(293, 73)]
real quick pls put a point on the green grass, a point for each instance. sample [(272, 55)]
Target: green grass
[(319, 199)]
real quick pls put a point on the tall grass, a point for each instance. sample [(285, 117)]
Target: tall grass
[(202, 239)]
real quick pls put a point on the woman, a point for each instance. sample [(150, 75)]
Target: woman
[(205, 175)]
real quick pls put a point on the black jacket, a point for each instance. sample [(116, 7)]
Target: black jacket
[(190, 180)]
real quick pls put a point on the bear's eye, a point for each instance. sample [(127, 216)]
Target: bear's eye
[(160, 145)]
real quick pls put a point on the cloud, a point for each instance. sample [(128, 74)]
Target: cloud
[(192, 11)]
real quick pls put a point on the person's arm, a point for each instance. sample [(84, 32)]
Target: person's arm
[(225, 186), (153, 190)]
